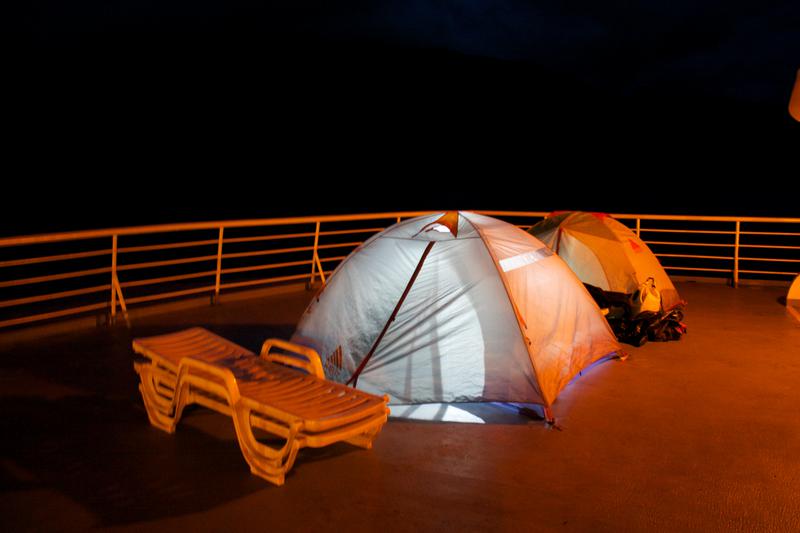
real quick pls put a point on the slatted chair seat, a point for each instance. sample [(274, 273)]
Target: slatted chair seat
[(283, 394)]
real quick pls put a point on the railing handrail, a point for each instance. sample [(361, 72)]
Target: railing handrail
[(696, 218), (630, 216), (284, 221), (197, 226)]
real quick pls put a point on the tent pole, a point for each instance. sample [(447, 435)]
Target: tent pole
[(354, 378)]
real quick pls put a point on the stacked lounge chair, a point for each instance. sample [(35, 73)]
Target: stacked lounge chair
[(285, 394)]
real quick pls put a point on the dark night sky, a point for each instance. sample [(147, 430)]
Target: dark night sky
[(130, 112)]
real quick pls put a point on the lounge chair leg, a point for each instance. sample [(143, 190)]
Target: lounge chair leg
[(154, 414), (182, 398), (159, 391), (264, 461), (276, 476), (362, 441), (275, 479), (365, 439), (155, 405)]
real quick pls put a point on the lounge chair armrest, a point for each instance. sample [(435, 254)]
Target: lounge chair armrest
[(188, 364), (309, 359)]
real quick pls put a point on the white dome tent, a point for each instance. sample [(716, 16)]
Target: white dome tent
[(455, 307)]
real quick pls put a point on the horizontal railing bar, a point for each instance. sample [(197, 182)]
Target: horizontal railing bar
[(301, 235), (350, 231), (714, 245), (539, 214), (769, 246), (174, 294), (689, 256), (707, 232), (290, 250), (633, 216), (197, 226), (265, 267), (266, 280), (278, 265), (137, 266), (166, 279), (169, 246), (53, 314), (769, 260), (768, 272), (62, 257), (339, 245), (268, 237), (778, 233), (698, 269), (54, 296), (695, 218), (267, 252), (54, 277)]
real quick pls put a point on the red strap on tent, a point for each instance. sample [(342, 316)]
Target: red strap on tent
[(354, 378)]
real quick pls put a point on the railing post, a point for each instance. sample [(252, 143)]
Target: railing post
[(639, 227), (113, 279), (315, 257), (215, 298), (736, 255), (116, 290), (321, 271)]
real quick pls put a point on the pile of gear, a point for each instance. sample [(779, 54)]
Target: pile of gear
[(639, 317)]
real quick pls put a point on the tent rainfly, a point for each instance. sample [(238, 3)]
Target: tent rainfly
[(456, 307), (605, 253)]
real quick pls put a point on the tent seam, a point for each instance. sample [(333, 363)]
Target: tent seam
[(514, 308)]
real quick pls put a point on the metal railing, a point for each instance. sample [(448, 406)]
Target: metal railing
[(56, 275)]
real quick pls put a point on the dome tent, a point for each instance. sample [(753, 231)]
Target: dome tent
[(604, 253), (457, 307)]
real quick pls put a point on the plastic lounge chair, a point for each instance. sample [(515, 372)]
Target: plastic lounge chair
[(282, 394)]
